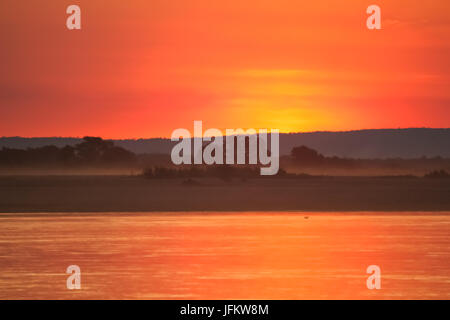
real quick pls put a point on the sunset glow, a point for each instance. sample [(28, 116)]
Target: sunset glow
[(143, 70)]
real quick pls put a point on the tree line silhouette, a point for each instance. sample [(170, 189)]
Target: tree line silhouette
[(93, 151), (223, 172), (305, 157)]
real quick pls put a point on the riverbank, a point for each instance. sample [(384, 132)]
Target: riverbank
[(136, 194)]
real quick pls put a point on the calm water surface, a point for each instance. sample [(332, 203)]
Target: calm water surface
[(225, 255)]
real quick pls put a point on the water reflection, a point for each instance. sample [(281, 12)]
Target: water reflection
[(225, 256)]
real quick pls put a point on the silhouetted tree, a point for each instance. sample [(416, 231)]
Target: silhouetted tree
[(92, 149), (438, 174), (91, 152), (68, 155), (308, 156)]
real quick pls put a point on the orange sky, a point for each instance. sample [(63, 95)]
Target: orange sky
[(143, 68)]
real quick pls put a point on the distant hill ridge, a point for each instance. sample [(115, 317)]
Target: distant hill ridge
[(373, 143)]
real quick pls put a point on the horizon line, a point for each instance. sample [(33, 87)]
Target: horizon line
[(168, 138)]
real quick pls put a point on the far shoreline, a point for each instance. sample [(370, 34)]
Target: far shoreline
[(304, 214)]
